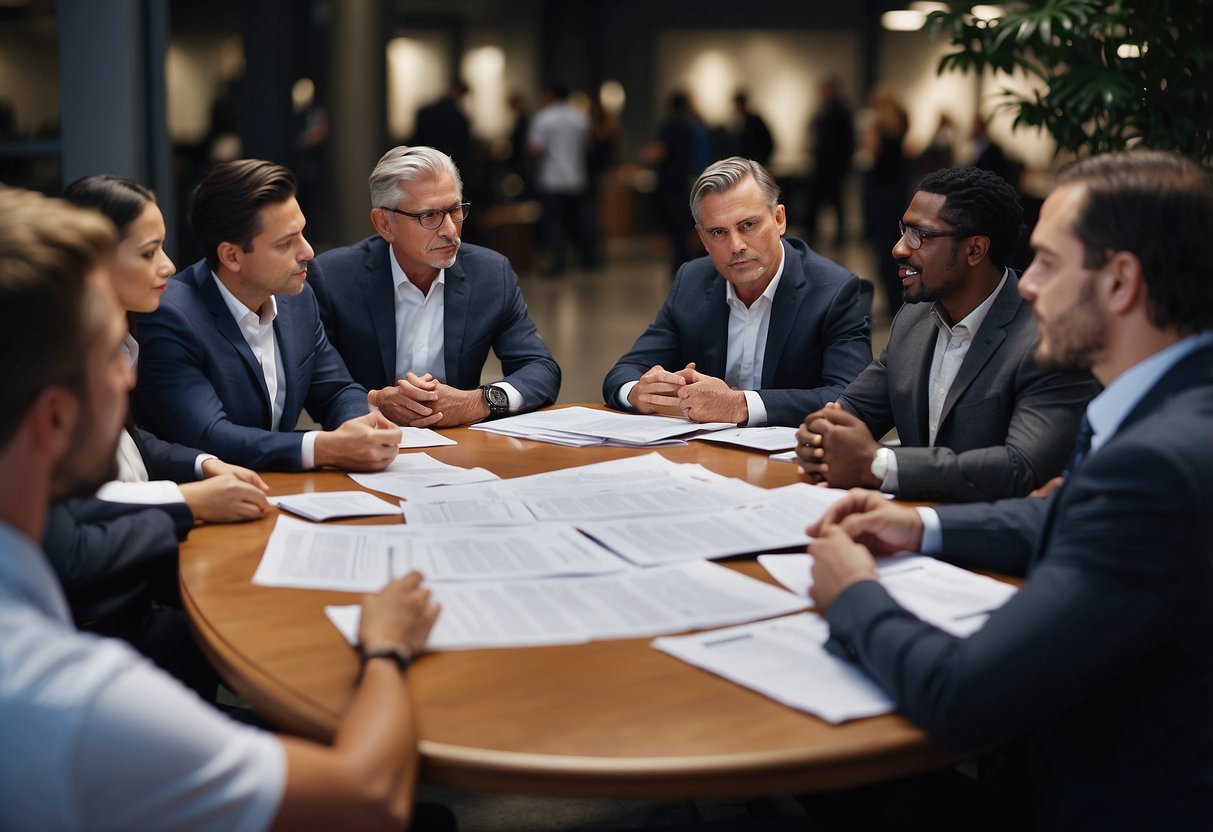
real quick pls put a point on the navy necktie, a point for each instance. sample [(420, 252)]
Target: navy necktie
[(1082, 445)]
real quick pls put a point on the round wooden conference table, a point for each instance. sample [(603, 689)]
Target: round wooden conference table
[(605, 719)]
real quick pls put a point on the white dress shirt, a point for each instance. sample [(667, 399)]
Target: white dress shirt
[(952, 344), (421, 331), (257, 327)]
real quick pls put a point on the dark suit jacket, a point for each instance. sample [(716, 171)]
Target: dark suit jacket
[(483, 308), (106, 554), (200, 385), (817, 341), (1006, 427), (165, 460), (1105, 656)]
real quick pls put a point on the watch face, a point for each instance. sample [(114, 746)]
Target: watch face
[(496, 397)]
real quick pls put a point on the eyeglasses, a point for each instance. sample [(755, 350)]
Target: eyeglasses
[(915, 235), (429, 220)]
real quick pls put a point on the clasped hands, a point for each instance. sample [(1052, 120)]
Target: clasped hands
[(424, 401), (687, 392), (835, 449)]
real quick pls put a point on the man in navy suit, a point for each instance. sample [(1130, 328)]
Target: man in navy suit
[(977, 419), (1104, 658), (761, 331), (414, 311), (236, 349)]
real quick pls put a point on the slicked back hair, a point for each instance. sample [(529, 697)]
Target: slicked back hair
[(1159, 206), (47, 320), (121, 200), (979, 202), (727, 174), (228, 202), (402, 165)]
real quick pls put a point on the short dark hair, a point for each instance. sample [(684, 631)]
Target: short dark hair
[(47, 248), (1159, 206), (228, 202), (119, 199), (979, 202)]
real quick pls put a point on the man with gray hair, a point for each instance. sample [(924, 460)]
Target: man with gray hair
[(414, 311), (759, 332)]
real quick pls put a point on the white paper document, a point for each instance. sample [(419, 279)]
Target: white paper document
[(772, 438), (572, 610), (784, 659), (329, 505), (953, 599), (598, 425), (419, 470), (476, 511), (363, 558), (422, 438)]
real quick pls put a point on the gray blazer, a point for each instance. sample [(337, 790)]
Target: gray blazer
[(1006, 427)]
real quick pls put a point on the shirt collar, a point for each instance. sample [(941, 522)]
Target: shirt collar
[(25, 573), (131, 347), (1107, 410), (973, 321), (730, 294), (399, 278), (265, 316)]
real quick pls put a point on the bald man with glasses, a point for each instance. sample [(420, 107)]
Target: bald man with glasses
[(414, 311), (976, 417)]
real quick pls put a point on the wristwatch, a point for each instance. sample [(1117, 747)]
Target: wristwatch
[(396, 652), (495, 398), (880, 463)]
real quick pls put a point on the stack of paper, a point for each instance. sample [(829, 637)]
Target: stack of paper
[(581, 426), (422, 438), (329, 505), (773, 438), (419, 470), (573, 610)]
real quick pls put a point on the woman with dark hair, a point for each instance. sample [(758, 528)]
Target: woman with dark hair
[(213, 490), (116, 553)]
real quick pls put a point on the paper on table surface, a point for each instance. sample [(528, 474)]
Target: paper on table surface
[(785, 659), (419, 470), (328, 505), (953, 599), (771, 438), (629, 428), (423, 438), (637, 602), (362, 558)]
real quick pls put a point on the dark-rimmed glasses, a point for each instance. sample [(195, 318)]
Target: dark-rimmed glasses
[(915, 235), (429, 220)]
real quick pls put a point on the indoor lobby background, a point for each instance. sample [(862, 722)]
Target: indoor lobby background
[(158, 89)]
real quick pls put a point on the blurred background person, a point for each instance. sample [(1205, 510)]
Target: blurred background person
[(886, 185)]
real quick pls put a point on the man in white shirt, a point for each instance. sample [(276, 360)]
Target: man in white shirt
[(236, 350), (977, 419), (560, 137), (759, 332), (93, 735), (414, 311)]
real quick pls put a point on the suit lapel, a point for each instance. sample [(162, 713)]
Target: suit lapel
[(909, 366), (230, 330), (784, 311), (715, 334), (378, 290), (986, 341), (455, 303)]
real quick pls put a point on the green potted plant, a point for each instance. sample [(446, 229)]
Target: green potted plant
[(1112, 74)]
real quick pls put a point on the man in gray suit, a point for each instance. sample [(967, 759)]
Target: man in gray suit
[(413, 311), (978, 419)]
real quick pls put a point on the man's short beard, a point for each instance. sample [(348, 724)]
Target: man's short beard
[(68, 480), (1085, 335)]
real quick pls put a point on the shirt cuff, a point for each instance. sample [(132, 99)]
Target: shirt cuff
[(307, 451), (889, 484), (146, 493), (932, 531), (758, 410), (512, 394), (198, 473), (621, 397)]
